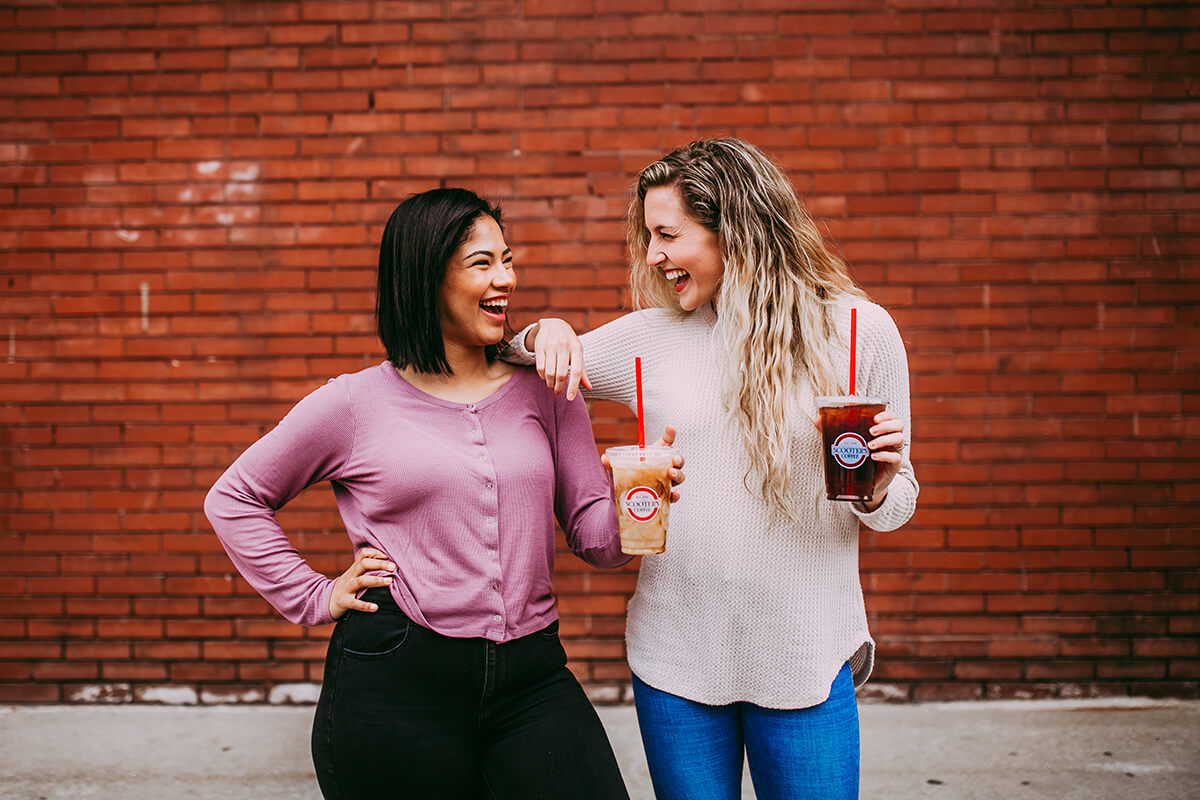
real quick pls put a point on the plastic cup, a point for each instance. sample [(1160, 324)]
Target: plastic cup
[(642, 480), (845, 430)]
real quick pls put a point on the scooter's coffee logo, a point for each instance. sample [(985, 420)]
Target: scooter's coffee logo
[(850, 450), (642, 503)]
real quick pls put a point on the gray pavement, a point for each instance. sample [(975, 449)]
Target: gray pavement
[(1131, 749)]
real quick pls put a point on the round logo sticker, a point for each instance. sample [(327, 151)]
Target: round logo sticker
[(641, 503), (850, 450)]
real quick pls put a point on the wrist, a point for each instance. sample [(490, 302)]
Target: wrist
[(531, 335), (874, 503)]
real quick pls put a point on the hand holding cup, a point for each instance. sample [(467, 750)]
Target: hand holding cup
[(886, 449), (643, 480), (675, 473)]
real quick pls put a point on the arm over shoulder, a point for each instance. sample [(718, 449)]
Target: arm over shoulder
[(608, 353)]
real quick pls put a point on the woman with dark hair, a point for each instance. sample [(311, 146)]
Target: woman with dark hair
[(445, 676)]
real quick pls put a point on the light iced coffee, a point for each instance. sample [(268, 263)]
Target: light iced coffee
[(641, 477)]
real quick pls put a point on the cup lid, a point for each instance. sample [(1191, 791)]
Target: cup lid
[(633, 449), (849, 400)]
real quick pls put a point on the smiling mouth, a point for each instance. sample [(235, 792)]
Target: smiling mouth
[(679, 277), (495, 309)]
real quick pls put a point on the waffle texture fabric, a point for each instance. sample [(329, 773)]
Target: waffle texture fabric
[(746, 604)]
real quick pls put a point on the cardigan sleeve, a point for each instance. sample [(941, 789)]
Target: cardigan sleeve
[(311, 444), (583, 497)]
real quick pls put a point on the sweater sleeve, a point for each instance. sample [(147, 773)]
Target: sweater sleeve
[(884, 372), (583, 496), (608, 353), (515, 351), (607, 357), (311, 444)]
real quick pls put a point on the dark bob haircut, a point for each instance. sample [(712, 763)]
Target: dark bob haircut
[(418, 241)]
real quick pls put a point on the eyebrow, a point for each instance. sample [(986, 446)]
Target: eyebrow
[(488, 253)]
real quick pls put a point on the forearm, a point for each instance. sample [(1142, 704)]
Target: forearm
[(595, 537), (896, 507), (264, 556)]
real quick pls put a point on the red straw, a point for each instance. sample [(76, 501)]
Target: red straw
[(853, 335), (637, 367)]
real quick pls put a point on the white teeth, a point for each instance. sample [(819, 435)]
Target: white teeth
[(674, 274), (494, 305)]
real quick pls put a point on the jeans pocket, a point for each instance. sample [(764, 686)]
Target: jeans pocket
[(374, 634)]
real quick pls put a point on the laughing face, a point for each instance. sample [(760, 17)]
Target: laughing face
[(687, 253), (473, 298)]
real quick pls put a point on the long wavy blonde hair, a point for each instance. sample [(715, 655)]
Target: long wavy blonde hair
[(776, 301)]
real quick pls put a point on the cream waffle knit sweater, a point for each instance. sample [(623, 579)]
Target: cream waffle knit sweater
[(745, 605)]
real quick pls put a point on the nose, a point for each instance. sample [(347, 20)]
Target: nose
[(655, 255), (504, 277)]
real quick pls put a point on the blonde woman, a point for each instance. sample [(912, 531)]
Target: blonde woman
[(749, 634)]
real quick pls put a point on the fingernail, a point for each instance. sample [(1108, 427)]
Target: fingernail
[(391, 567), (374, 607), (387, 579)]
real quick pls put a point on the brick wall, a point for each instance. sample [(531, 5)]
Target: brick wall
[(191, 197)]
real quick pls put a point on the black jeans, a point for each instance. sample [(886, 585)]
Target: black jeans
[(409, 713)]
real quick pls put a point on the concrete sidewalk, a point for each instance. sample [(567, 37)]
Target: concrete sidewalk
[(1130, 749)]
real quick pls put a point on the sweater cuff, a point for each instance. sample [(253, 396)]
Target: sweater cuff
[(895, 510), (320, 614), (515, 352), (607, 557)]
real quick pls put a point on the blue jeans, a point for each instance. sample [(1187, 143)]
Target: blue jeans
[(695, 750)]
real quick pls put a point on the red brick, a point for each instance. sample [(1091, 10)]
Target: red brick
[(1026, 220)]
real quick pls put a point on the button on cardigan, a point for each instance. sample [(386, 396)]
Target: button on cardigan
[(461, 496)]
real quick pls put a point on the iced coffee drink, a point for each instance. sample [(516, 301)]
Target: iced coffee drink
[(641, 477), (845, 431)]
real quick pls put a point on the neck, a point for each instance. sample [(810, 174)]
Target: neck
[(468, 367), (467, 363)]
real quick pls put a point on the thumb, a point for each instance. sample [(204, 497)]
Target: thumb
[(668, 437)]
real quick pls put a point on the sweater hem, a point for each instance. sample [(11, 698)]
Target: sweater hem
[(861, 661)]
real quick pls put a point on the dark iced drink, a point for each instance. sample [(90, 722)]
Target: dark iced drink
[(845, 431)]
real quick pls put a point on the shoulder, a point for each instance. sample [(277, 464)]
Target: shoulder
[(364, 382), (876, 328), (352, 387), (531, 389), (525, 386), (873, 318), (643, 322)]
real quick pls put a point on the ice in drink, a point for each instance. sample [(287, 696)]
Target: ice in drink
[(845, 431), (642, 480)]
